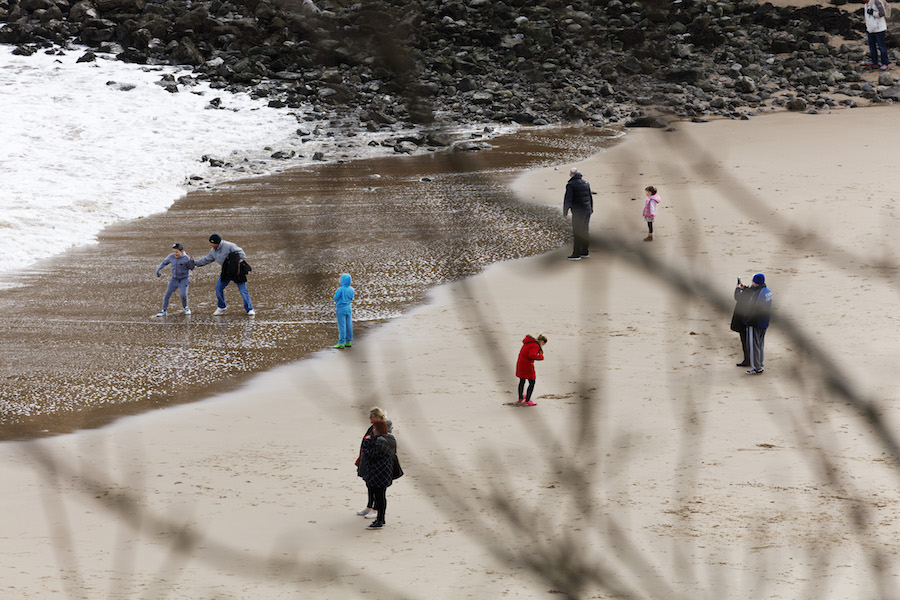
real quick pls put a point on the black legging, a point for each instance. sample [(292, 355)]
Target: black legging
[(650, 226), (522, 387), (380, 496), (371, 502)]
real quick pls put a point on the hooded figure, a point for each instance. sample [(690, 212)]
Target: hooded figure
[(343, 296), (532, 350), (580, 201)]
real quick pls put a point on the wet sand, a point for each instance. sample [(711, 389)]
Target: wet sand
[(80, 344)]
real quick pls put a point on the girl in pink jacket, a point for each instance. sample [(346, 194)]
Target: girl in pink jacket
[(650, 210)]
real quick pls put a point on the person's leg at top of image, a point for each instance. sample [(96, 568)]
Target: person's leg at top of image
[(882, 48), (873, 49)]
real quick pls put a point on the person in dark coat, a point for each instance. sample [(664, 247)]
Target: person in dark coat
[(379, 452), (375, 414), (741, 297), (234, 268), (580, 201), (759, 309), (532, 350)]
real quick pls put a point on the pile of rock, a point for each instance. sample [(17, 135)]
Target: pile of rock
[(525, 61)]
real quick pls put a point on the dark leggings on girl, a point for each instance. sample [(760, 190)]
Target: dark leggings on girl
[(650, 225), (380, 494), (522, 387), (371, 502)]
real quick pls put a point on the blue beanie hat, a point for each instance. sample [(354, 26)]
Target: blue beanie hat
[(215, 239), (759, 279)]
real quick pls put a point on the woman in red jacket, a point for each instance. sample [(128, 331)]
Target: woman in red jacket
[(532, 350)]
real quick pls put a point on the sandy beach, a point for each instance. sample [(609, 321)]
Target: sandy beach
[(652, 467)]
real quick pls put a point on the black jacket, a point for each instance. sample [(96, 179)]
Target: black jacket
[(235, 269), (378, 454), (578, 196), (741, 298)]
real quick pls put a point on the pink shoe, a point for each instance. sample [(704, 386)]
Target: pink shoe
[(529, 403)]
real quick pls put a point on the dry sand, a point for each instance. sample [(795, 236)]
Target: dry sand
[(651, 465)]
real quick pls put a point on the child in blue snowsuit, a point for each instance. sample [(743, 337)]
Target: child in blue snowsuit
[(343, 296), (182, 264)]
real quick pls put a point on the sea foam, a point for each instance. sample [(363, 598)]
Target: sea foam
[(88, 144)]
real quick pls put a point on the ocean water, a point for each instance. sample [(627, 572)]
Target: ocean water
[(86, 145)]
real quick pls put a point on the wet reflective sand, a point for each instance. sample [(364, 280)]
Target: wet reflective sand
[(80, 344)]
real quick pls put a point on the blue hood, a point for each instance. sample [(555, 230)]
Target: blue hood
[(343, 296)]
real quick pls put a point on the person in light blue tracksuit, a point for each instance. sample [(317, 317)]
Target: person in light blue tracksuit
[(343, 296), (182, 264)]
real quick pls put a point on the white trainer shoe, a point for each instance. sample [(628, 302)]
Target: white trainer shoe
[(187, 310), (161, 313), (219, 311), (251, 313)]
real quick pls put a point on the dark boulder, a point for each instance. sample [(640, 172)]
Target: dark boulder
[(97, 31), (647, 121), (186, 53), (796, 104)]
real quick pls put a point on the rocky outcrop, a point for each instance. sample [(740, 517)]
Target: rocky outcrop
[(523, 61)]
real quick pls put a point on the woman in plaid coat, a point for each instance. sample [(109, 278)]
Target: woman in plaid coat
[(378, 454)]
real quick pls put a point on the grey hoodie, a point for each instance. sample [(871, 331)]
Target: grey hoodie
[(220, 254), (181, 267)]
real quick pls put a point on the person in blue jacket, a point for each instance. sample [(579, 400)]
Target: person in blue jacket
[(756, 318), (182, 264), (343, 296)]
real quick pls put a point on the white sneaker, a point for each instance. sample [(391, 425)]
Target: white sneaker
[(251, 313), (161, 313), (187, 311), (219, 311)]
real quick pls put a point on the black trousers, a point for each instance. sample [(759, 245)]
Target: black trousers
[(580, 229), (744, 346), (380, 495)]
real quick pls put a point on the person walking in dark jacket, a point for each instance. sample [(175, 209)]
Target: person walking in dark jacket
[(375, 414), (759, 307), (379, 452), (741, 297), (232, 270), (580, 201)]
